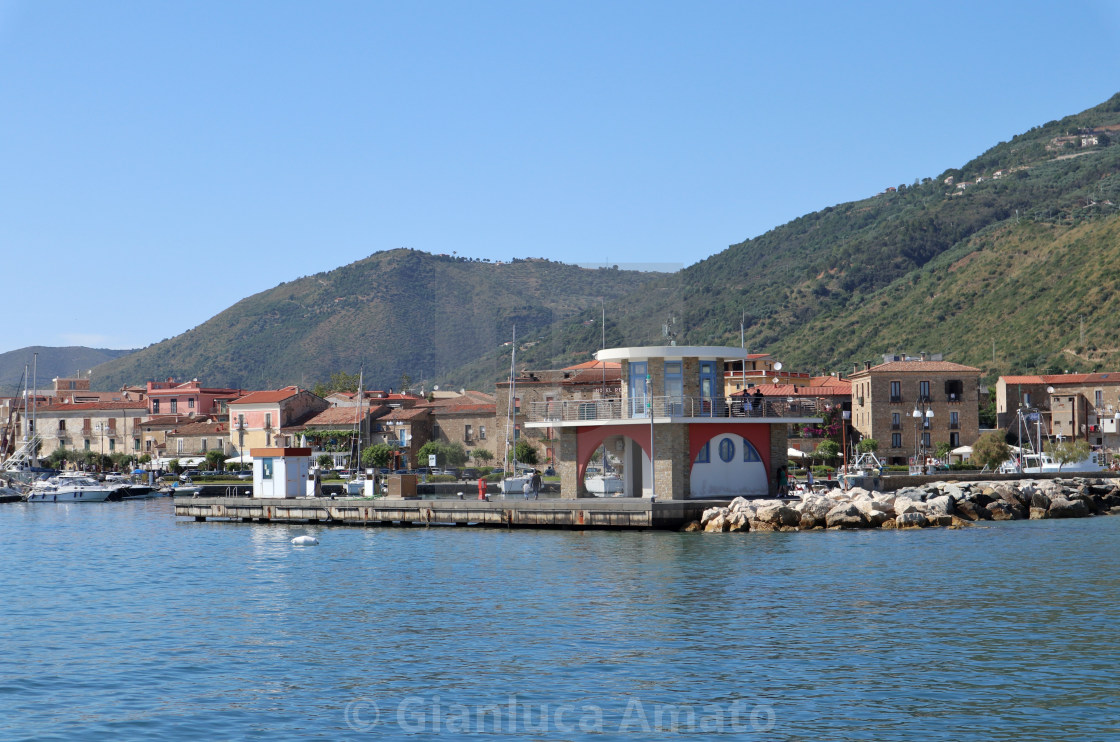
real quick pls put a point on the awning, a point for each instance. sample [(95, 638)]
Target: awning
[(793, 453)]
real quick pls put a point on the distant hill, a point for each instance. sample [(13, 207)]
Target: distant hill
[(1006, 263), (400, 312), (52, 363)]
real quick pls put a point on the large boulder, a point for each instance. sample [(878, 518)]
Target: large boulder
[(845, 515), (718, 524), (970, 510), (692, 527), (1011, 494), (1040, 500), (1062, 508), (776, 515), (710, 514), (1093, 502), (942, 505), (904, 504), (1038, 513), (737, 521), (911, 520), (1004, 510)]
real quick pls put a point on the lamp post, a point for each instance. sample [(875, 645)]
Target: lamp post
[(926, 415)]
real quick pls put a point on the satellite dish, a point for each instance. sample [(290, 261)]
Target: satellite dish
[(1049, 390), (775, 380), (777, 365)]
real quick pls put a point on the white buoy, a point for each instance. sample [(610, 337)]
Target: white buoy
[(305, 541)]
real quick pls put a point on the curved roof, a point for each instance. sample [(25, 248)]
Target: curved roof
[(641, 353)]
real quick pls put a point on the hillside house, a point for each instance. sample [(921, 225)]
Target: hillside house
[(268, 419)]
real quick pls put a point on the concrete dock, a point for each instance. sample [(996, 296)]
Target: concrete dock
[(583, 513)]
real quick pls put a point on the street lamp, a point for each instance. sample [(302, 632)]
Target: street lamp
[(918, 414)]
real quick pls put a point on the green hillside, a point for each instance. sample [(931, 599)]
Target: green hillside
[(899, 271), (395, 313), (1014, 249)]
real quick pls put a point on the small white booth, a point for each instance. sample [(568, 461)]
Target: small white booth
[(280, 472)]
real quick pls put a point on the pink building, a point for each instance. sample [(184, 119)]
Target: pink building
[(188, 398)]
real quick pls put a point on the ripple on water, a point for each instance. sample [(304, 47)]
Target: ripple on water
[(121, 622)]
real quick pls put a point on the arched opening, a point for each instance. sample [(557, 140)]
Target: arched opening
[(613, 461), (727, 465)]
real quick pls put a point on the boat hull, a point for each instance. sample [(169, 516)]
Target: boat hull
[(79, 495)]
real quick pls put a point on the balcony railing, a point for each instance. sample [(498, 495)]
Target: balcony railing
[(896, 399), (692, 407)]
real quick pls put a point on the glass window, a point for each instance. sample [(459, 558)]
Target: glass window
[(637, 384), (155, 406), (674, 386), (750, 453), (896, 440), (112, 444), (923, 389), (266, 468), (896, 391), (174, 406), (925, 440), (726, 450), (190, 403), (482, 432), (896, 419), (704, 455)]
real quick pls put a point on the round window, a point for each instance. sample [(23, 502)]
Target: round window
[(726, 450)]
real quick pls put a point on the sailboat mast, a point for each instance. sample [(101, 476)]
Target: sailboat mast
[(511, 413)]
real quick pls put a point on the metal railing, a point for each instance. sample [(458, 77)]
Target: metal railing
[(623, 408)]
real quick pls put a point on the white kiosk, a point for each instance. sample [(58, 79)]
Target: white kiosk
[(280, 472)]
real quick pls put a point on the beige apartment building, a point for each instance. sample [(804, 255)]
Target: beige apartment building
[(910, 406), (102, 427)]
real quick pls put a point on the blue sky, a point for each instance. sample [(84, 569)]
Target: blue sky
[(161, 161)]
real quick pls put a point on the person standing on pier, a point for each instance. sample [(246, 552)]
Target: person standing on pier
[(535, 484)]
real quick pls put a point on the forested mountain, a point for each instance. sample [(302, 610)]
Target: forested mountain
[(395, 313), (52, 362), (1001, 263), (1007, 263)]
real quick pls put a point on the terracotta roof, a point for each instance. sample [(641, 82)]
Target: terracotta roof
[(408, 413), (344, 415), (916, 366), (1022, 379), (829, 381), (200, 428), (596, 364), (463, 409), (267, 397), (64, 407)]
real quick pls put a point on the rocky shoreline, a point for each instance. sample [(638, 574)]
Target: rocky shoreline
[(937, 504)]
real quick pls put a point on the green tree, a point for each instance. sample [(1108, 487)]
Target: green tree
[(525, 452), (942, 450), (215, 460), (988, 413), (340, 381), (325, 461), (826, 450), (868, 445), (145, 459), (482, 455), (121, 461), (990, 450), (1068, 452), (60, 456), (377, 456), (174, 467)]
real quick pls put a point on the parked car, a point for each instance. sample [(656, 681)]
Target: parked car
[(246, 474), (188, 474), (468, 474), (550, 472), (451, 471)]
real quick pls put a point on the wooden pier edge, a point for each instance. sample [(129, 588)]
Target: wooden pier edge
[(583, 513)]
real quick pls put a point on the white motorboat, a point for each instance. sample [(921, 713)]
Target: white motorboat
[(1033, 463), (70, 487)]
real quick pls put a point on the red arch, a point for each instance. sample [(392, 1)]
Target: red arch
[(589, 439)]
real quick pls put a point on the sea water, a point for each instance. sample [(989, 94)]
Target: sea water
[(120, 621)]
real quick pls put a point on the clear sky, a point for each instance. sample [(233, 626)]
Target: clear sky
[(160, 161)]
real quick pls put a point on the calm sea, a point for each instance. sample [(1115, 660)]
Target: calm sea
[(120, 622)]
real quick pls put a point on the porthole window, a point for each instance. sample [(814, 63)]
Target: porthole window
[(726, 450)]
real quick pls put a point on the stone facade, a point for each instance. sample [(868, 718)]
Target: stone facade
[(884, 398), (103, 427)]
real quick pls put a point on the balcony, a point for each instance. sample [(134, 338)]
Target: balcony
[(896, 399), (620, 408)]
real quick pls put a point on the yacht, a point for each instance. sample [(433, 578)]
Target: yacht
[(70, 487)]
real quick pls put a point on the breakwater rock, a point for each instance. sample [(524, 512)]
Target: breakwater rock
[(945, 504)]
